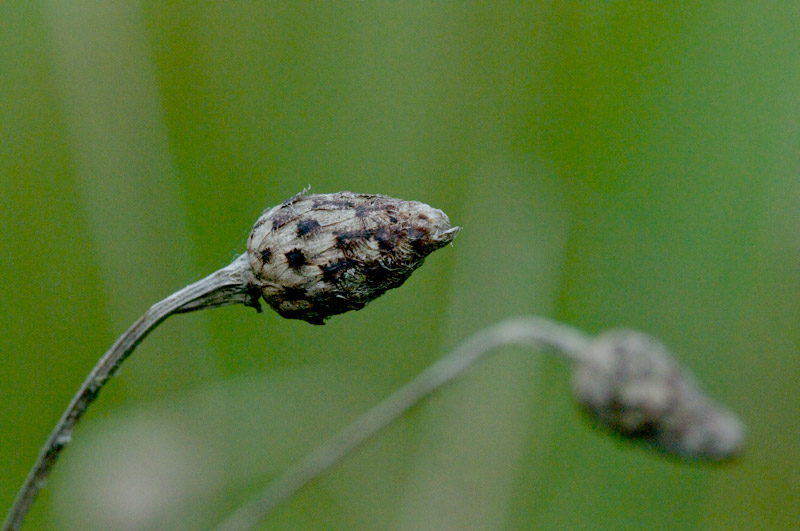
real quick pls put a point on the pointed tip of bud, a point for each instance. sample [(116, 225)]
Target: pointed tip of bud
[(630, 383), (315, 256)]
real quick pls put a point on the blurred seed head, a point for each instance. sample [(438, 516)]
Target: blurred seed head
[(630, 383), (320, 255)]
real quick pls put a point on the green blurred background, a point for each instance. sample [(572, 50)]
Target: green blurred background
[(612, 164)]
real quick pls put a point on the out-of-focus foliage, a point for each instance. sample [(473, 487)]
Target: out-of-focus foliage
[(612, 163)]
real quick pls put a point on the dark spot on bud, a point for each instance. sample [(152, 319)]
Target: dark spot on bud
[(647, 431), (333, 271), (379, 275), (307, 226), (363, 211), (266, 255), (282, 217), (386, 236), (418, 233), (326, 299), (419, 238), (295, 258), (349, 241), (293, 293)]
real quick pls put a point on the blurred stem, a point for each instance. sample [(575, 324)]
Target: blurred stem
[(230, 285), (524, 331)]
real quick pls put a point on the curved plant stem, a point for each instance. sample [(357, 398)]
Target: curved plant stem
[(230, 285), (525, 331)]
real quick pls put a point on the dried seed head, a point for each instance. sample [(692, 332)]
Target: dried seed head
[(320, 255), (630, 383)]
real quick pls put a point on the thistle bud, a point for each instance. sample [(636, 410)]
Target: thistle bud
[(315, 256), (629, 382)]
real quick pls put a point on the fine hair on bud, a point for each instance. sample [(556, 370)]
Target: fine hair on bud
[(630, 383), (315, 256)]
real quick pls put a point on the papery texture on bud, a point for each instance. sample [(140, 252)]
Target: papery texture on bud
[(320, 255), (631, 384)]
